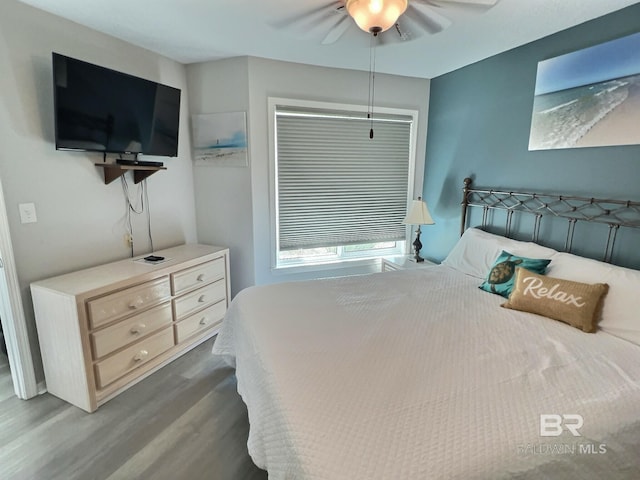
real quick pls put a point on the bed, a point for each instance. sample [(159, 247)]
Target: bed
[(420, 374)]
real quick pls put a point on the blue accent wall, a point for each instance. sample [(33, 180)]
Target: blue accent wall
[(479, 122)]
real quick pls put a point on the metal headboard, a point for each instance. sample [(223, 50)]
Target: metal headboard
[(614, 213)]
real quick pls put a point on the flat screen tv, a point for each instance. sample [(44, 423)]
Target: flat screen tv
[(102, 110)]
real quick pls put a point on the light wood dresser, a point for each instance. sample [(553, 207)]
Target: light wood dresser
[(105, 328)]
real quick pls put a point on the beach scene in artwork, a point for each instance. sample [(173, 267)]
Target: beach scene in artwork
[(220, 139), (588, 98)]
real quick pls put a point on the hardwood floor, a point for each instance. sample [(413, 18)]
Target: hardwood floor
[(6, 383), (185, 421)]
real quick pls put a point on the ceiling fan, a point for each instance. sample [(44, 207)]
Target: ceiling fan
[(408, 19)]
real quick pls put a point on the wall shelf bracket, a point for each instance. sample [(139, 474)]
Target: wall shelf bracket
[(112, 171)]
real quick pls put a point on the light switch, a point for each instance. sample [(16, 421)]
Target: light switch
[(27, 212)]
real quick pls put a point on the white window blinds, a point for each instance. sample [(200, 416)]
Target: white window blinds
[(335, 185)]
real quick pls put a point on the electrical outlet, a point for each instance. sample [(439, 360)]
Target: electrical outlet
[(128, 240), (27, 213)]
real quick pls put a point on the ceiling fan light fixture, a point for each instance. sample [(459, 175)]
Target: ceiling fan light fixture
[(376, 15)]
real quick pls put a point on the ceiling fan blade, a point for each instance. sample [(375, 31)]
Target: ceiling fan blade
[(468, 5), (430, 21), (488, 3), (311, 17), (337, 30)]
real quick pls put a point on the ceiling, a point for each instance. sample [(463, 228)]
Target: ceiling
[(190, 31)]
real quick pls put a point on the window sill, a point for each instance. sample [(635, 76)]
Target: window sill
[(342, 267)]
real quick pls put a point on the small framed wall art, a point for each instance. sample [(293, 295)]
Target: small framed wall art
[(220, 139)]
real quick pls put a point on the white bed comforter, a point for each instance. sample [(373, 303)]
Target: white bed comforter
[(418, 375)]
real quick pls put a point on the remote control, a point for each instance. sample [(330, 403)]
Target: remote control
[(153, 258)]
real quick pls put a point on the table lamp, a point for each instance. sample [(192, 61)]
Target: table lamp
[(418, 215)]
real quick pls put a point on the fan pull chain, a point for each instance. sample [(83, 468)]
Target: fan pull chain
[(372, 79)]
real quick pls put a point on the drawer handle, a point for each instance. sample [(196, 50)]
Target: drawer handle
[(203, 321), (135, 304), (136, 329), (202, 299), (140, 356), (200, 277)]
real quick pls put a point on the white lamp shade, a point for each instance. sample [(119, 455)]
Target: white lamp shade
[(376, 15), (418, 214)]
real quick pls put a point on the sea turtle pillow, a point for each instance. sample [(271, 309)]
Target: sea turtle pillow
[(501, 276)]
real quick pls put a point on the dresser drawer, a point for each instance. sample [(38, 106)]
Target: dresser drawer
[(199, 299), (201, 321), (112, 368), (130, 330), (111, 307), (199, 275)]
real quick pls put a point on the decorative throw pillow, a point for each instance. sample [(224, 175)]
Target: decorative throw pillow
[(501, 276), (575, 303)]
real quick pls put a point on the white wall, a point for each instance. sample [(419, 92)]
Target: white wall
[(233, 203), (80, 219), (223, 194)]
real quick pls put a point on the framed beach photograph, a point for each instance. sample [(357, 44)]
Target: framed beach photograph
[(220, 139), (588, 98)]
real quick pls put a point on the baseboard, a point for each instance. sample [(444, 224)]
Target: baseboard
[(41, 387)]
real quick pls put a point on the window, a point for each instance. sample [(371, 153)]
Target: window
[(338, 194)]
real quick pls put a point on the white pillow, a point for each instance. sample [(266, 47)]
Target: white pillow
[(476, 251), (621, 311)]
